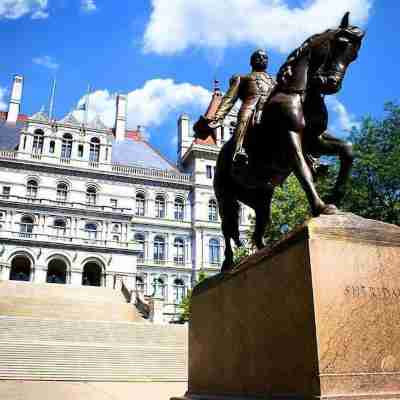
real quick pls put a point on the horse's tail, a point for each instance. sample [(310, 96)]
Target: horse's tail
[(224, 188)]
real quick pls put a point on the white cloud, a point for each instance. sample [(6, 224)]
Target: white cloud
[(150, 105), (46, 61), (344, 120), (3, 95), (176, 25), (88, 6), (14, 9)]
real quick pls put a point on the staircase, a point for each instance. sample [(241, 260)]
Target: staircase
[(64, 333), (62, 350), (49, 300)]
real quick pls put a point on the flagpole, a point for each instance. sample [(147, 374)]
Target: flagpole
[(52, 97), (86, 117)]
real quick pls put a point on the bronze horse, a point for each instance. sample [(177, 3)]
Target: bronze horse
[(291, 133)]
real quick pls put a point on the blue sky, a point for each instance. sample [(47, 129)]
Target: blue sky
[(166, 53)]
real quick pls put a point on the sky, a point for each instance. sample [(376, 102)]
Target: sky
[(165, 55)]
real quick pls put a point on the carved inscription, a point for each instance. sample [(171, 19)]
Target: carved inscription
[(372, 291)]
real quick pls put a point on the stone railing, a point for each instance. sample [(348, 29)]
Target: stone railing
[(150, 173), (68, 204), (66, 239), (119, 169), (8, 154)]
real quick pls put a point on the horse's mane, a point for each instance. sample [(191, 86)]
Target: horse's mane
[(312, 41)]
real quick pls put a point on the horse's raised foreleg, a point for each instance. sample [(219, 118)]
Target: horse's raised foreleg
[(329, 145), (304, 175)]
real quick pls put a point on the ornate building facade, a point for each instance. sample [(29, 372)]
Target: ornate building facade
[(84, 204)]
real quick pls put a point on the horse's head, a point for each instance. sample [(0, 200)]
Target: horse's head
[(320, 63), (330, 56)]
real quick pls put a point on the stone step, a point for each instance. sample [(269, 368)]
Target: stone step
[(33, 329), (51, 349)]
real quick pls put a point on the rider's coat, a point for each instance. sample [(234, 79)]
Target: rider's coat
[(253, 89)]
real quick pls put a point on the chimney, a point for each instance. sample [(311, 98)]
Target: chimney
[(15, 99), (184, 137), (120, 118)]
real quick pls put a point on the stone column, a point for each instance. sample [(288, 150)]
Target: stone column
[(76, 277)]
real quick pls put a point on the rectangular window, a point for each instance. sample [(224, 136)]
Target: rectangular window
[(52, 147), (209, 171), (80, 150), (114, 203), (6, 192)]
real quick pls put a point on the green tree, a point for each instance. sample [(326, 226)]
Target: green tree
[(375, 182), (186, 302)]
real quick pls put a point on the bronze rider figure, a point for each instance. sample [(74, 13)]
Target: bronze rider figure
[(253, 90)]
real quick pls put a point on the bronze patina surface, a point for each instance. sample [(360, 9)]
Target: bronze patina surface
[(317, 316)]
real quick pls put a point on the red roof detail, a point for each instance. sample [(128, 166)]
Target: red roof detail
[(134, 135), (21, 117), (214, 104), (209, 140)]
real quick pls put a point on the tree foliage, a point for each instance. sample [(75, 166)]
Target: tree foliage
[(186, 302), (374, 187), (375, 181)]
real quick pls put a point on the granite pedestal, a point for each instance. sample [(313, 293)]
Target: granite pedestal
[(316, 316)]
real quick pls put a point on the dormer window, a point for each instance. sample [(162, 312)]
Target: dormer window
[(66, 148), (94, 150), (38, 139)]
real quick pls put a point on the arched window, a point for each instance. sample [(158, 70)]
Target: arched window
[(159, 250), (38, 139), (31, 189), (140, 241), (92, 274), (179, 208), (26, 226), (212, 211), (60, 227), (20, 269), (56, 272), (94, 154), (179, 290), (91, 195), (214, 251), (66, 148), (179, 251), (160, 206), (159, 288), (62, 191), (91, 230), (140, 284), (140, 204)]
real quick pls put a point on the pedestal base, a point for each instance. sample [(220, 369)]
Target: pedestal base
[(317, 316)]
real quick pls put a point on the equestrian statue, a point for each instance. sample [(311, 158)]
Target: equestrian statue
[(282, 129)]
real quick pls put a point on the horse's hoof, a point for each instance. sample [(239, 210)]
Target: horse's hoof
[(329, 209)]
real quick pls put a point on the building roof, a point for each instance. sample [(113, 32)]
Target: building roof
[(9, 133), (136, 151)]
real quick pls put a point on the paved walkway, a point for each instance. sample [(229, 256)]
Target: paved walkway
[(36, 390)]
